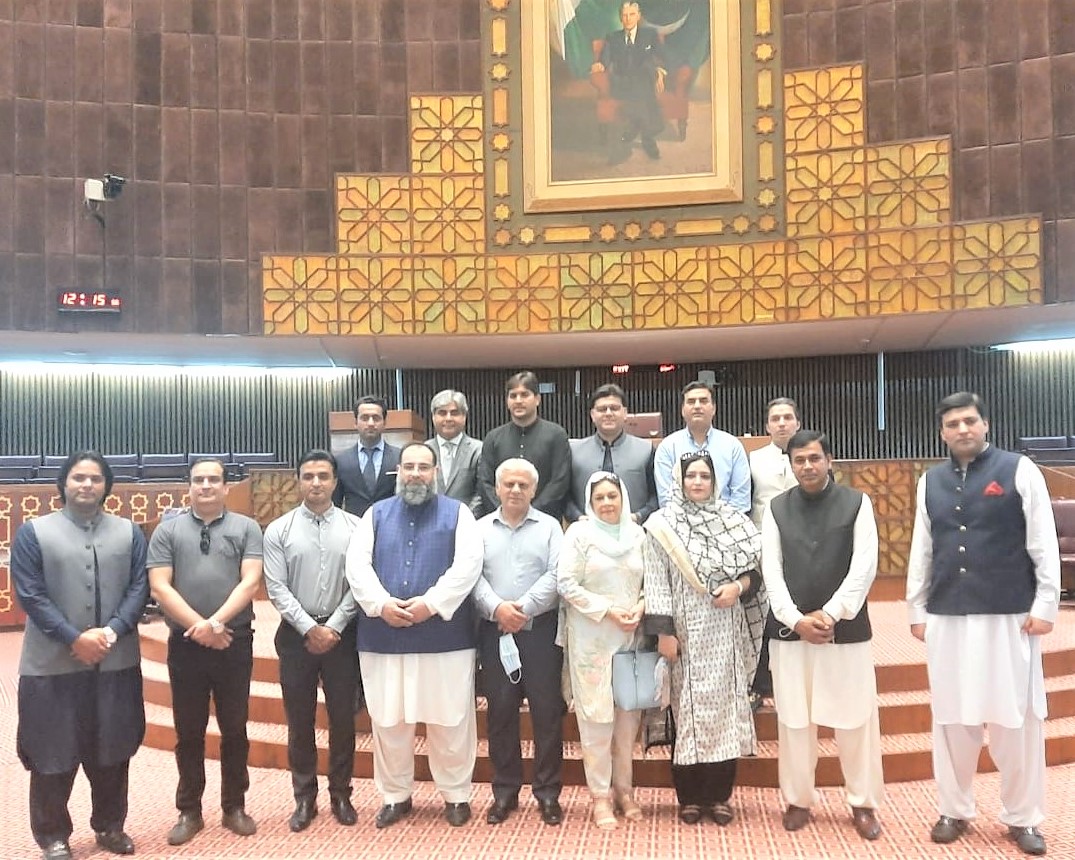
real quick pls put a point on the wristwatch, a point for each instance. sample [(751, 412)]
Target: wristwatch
[(110, 636), (217, 626)]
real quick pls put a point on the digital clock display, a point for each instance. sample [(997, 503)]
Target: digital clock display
[(74, 301)]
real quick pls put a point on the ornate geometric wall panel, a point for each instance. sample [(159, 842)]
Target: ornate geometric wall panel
[(849, 230)]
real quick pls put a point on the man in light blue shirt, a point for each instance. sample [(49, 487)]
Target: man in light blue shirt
[(728, 455), (517, 601)]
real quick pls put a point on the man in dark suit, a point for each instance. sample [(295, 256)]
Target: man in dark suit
[(632, 58), (457, 453), (367, 472)]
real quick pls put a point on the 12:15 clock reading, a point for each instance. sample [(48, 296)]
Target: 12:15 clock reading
[(95, 301)]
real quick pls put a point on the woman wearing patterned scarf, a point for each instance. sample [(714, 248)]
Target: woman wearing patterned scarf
[(600, 580), (706, 602)]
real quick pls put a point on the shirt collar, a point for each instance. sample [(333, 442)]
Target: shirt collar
[(615, 443), (310, 515), (531, 517), (378, 447), (198, 519), (92, 521)]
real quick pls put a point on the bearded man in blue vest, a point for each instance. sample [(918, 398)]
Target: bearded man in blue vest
[(983, 587), (80, 575), (411, 564)]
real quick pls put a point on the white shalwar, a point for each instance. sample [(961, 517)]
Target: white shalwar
[(984, 671)]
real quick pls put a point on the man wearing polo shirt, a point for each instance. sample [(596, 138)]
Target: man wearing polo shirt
[(305, 550), (729, 457), (516, 598), (204, 570)]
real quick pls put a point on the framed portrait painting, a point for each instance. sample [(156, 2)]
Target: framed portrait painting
[(630, 105)]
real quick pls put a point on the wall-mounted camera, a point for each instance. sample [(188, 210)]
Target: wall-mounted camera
[(100, 190)]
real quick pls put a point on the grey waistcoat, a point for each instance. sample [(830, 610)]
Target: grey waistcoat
[(67, 551)]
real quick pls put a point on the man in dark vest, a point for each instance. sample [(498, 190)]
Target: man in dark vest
[(412, 564), (80, 576), (984, 581), (819, 558)]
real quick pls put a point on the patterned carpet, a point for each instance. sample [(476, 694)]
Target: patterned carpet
[(906, 816)]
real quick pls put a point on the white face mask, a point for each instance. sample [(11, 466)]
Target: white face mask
[(509, 658)]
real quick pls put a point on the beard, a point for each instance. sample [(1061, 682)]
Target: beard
[(417, 493)]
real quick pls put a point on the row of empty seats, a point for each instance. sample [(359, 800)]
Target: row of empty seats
[(131, 468), (1049, 450)]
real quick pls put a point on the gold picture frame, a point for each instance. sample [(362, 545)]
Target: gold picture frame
[(712, 172)]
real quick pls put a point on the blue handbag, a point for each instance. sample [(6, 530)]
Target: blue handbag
[(634, 685)]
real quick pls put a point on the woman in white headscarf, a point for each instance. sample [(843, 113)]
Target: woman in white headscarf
[(706, 602), (600, 580)]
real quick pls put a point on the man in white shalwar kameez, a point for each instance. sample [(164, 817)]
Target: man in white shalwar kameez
[(983, 587), (412, 564), (818, 559)]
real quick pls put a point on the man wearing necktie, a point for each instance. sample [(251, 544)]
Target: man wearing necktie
[(457, 453), (367, 472), (633, 59), (612, 449)]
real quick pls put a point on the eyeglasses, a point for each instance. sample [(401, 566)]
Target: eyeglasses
[(423, 468), (204, 545), (609, 407)]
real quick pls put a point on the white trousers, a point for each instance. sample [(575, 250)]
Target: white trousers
[(1019, 755), (608, 752), (860, 760), (452, 750)]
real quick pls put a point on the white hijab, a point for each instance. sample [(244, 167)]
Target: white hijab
[(612, 540)]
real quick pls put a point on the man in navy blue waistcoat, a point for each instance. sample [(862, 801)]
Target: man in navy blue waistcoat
[(412, 563)]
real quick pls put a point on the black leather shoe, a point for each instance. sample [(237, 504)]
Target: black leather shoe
[(304, 814), (501, 809), (186, 828), (866, 823), (115, 841), (58, 850), (457, 814), (947, 829), (343, 811), (795, 818), (1029, 839), (649, 146), (239, 823), (551, 813), (391, 813)]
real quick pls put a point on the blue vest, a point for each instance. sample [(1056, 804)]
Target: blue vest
[(980, 562), (412, 548)]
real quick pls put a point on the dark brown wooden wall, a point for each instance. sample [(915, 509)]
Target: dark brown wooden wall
[(230, 117)]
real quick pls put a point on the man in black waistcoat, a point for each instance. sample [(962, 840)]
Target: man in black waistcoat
[(984, 581), (819, 558)]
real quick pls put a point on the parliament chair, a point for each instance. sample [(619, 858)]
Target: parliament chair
[(32, 460), (171, 473), (16, 474), (674, 101), (1052, 456), (125, 473), (1064, 514), (224, 458), (163, 460), (54, 459), (1041, 443), (121, 459), (47, 474)]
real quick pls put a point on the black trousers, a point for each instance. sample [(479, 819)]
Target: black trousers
[(542, 663), (300, 672), (704, 784), (198, 673), (50, 792), (763, 677)]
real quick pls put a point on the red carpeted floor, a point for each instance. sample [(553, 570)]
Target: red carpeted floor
[(906, 816)]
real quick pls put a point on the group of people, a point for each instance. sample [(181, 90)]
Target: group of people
[(408, 578)]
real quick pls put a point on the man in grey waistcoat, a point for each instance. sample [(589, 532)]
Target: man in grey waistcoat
[(80, 576)]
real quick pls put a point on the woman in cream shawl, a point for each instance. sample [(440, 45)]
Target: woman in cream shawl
[(600, 581), (705, 600)]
